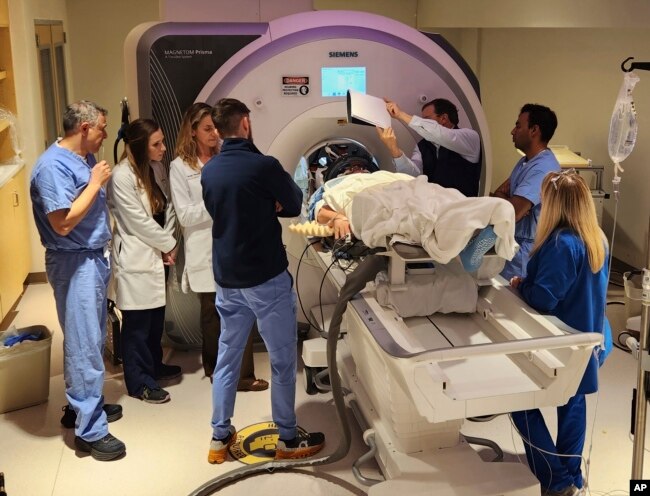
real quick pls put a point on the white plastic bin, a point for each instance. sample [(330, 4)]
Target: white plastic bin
[(25, 372)]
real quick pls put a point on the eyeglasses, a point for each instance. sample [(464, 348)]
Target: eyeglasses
[(564, 173)]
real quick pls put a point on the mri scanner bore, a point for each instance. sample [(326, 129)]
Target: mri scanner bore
[(414, 379)]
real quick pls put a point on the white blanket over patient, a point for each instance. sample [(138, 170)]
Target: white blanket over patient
[(441, 220)]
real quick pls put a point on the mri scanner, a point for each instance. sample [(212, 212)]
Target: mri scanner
[(414, 379)]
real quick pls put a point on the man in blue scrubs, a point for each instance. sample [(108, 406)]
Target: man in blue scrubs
[(533, 130), (69, 205)]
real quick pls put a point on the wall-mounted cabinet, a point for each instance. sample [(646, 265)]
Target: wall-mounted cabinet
[(4, 13), (14, 243), (7, 86), (14, 215)]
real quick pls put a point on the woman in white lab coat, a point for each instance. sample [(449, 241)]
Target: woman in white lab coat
[(143, 243), (197, 142)]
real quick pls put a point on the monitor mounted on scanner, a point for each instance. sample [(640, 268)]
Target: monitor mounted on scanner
[(336, 81)]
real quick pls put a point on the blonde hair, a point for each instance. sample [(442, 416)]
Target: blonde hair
[(567, 204), (186, 146)]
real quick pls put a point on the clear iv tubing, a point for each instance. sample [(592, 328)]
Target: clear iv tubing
[(616, 181)]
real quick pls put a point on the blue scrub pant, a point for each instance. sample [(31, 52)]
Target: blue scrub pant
[(273, 305), (555, 472), (142, 353), (79, 280)]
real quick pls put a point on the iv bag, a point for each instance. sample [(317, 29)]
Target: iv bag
[(623, 126)]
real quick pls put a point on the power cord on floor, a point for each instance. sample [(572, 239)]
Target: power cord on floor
[(625, 344), (296, 282), (618, 343)]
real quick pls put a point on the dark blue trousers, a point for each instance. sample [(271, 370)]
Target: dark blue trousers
[(141, 349), (558, 465)]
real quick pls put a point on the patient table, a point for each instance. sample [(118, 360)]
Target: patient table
[(414, 380)]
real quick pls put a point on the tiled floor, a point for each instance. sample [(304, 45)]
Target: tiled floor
[(167, 444)]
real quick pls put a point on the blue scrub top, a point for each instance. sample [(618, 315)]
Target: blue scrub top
[(560, 283), (526, 181), (58, 178)]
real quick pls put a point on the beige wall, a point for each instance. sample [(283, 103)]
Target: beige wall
[(229, 11), (403, 10), (527, 13), (96, 33), (577, 73)]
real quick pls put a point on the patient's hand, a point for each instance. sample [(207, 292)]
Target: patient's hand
[(341, 226)]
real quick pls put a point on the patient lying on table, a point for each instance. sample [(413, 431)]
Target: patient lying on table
[(385, 207)]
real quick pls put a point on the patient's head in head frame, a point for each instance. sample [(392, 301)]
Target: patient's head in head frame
[(350, 164)]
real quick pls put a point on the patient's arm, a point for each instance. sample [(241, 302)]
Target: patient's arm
[(335, 220)]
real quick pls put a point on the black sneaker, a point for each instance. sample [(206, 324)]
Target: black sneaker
[(168, 372), (104, 449), (113, 413), (305, 444), (155, 395)]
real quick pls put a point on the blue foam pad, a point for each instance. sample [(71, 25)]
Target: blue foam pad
[(472, 255)]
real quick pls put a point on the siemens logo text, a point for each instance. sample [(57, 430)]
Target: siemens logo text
[(344, 54)]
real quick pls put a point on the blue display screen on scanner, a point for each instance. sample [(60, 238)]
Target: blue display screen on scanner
[(336, 81)]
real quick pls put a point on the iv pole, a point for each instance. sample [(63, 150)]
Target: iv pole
[(644, 353), (644, 366)]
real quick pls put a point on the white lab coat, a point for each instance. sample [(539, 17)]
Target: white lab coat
[(196, 224), (138, 279)]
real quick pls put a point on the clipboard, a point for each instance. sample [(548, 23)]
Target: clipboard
[(367, 110)]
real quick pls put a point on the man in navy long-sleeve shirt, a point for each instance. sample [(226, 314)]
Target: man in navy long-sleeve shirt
[(244, 192)]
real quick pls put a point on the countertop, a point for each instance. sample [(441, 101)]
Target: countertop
[(8, 171)]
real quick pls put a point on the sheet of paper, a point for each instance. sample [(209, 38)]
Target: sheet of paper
[(367, 109)]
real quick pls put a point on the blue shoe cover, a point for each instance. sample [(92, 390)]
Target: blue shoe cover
[(472, 255)]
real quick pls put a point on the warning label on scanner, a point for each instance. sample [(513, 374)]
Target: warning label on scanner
[(295, 85)]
